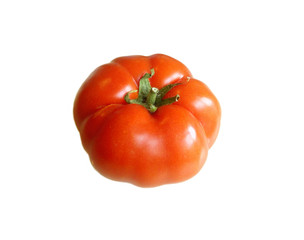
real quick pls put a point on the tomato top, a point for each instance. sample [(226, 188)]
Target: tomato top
[(109, 84)]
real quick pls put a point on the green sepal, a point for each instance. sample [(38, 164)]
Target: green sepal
[(150, 97), (145, 86), (163, 91)]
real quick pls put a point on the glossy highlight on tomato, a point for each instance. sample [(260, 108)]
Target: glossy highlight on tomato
[(145, 120)]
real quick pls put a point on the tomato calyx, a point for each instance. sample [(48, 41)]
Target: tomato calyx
[(150, 97)]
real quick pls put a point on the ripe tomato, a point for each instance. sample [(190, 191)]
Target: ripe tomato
[(146, 120)]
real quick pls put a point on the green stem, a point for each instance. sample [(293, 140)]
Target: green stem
[(150, 97)]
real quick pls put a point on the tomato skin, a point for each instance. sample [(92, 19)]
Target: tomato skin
[(203, 105), (149, 149), (126, 142)]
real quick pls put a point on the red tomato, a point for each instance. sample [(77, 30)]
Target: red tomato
[(146, 120)]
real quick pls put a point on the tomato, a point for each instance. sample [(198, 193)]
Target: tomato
[(146, 120)]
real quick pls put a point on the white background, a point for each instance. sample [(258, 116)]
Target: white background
[(251, 55)]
